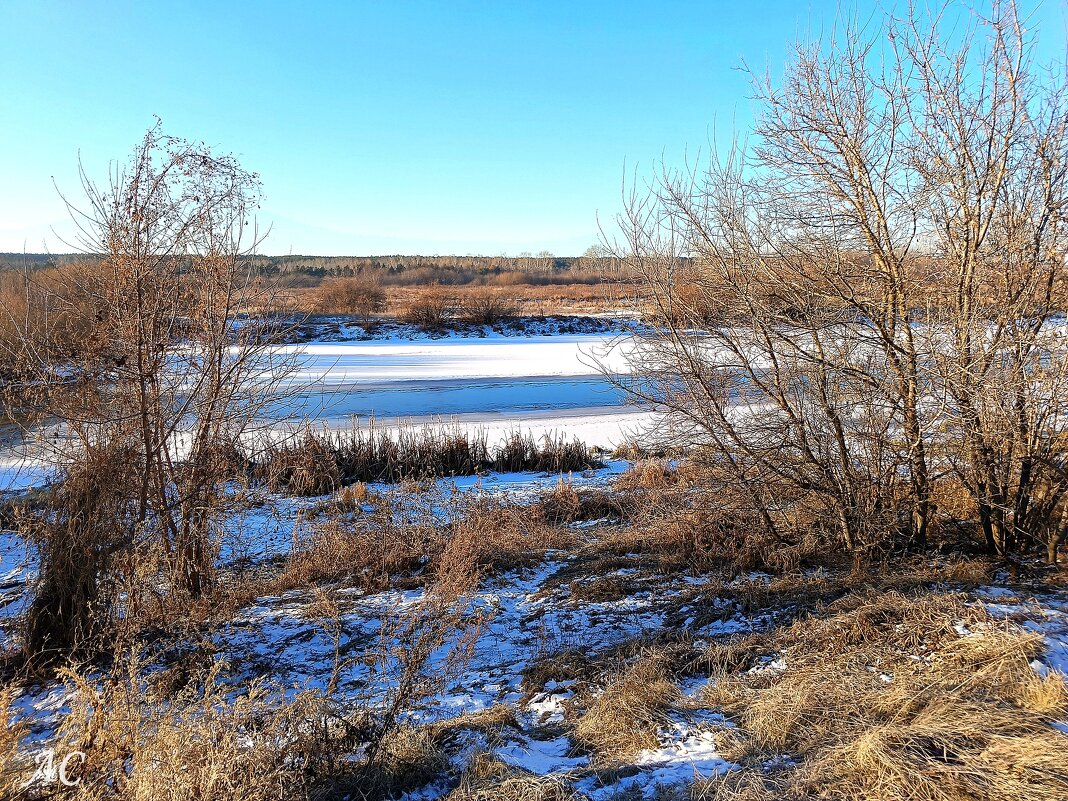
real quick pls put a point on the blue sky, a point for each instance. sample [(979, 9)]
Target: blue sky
[(389, 127)]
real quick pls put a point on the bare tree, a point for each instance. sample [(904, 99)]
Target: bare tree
[(153, 401), (877, 276)]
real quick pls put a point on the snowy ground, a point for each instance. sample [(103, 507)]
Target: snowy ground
[(525, 615)]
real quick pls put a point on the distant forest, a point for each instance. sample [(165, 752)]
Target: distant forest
[(296, 271)]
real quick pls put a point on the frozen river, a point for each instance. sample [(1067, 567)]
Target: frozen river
[(542, 384)]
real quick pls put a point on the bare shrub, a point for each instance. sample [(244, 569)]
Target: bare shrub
[(430, 644), (362, 296), (165, 380), (869, 298), (431, 310), (487, 308)]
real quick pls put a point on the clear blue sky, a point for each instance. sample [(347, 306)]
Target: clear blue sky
[(392, 126)]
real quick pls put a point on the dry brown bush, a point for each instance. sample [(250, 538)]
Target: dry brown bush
[(564, 504), (651, 474), (431, 310), (358, 295), (487, 307)]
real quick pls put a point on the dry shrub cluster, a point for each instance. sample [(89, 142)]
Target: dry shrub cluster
[(734, 539), (564, 504), (685, 518), (359, 295), (487, 308), (659, 474), (821, 289), (321, 462), (37, 323), (431, 310), (881, 695)]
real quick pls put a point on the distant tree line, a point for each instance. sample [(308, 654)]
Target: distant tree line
[(396, 270)]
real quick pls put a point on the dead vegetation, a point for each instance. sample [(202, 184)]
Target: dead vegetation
[(626, 715), (489, 779), (431, 311), (487, 307), (320, 462), (376, 549), (13, 761), (883, 695), (360, 296)]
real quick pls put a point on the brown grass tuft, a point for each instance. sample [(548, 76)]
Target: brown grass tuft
[(13, 765), (625, 717), (881, 695), (489, 779)]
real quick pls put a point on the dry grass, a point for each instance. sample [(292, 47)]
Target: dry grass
[(200, 744), (13, 765), (494, 724), (659, 474), (882, 698), (488, 779), (626, 715), (320, 462), (564, 504), (374, 549), (367, 551), (528, 298), (560, 665)]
